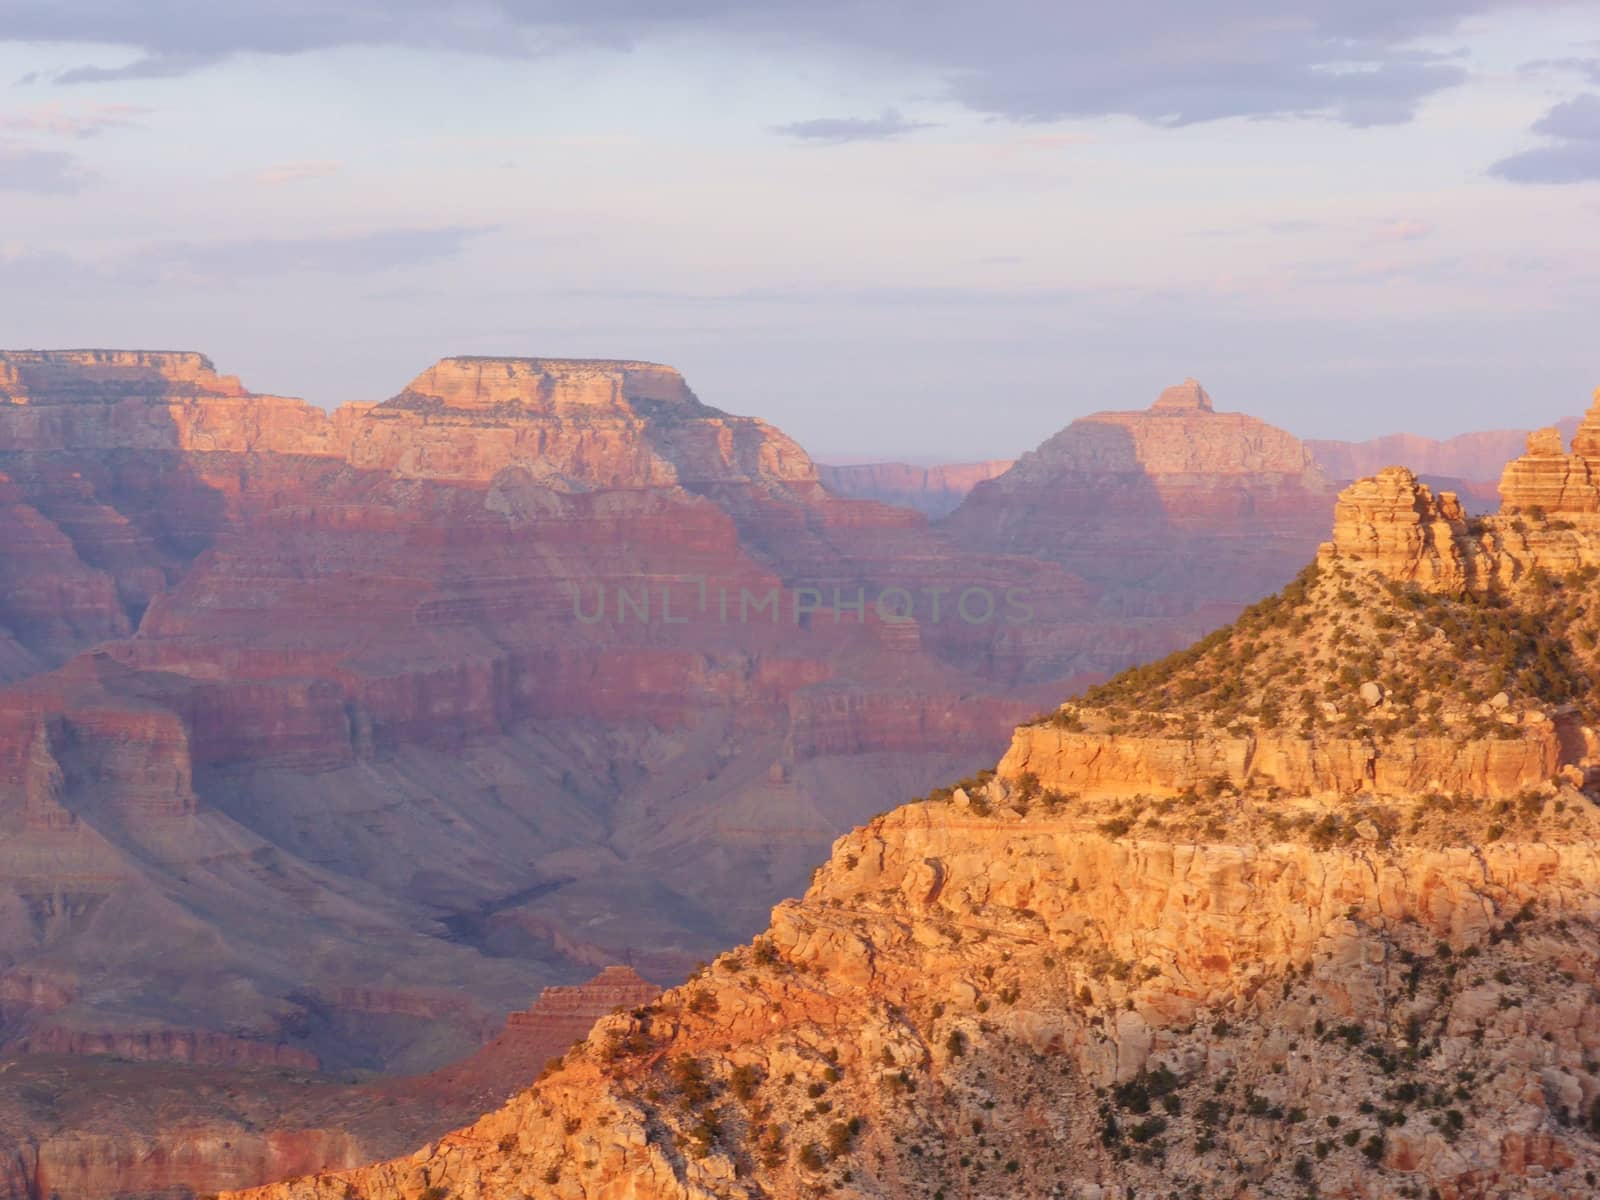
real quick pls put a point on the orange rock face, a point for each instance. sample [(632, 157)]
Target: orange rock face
[(1550, 514)]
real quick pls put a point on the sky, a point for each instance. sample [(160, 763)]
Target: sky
[(930, 229)]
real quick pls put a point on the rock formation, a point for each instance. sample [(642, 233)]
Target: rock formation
[(1309, 908), (1177, 510), (1550, 513)]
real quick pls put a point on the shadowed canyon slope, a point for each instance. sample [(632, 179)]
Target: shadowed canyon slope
[(330, 738), (1176, 509), (1307, 908), (103, 1127)]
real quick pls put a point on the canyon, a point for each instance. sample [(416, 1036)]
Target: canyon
[(328, 739), (1308, 907)]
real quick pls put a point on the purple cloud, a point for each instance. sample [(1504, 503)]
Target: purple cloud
[(41, 172), (1573, 156), (889, 124), (1168, 62)]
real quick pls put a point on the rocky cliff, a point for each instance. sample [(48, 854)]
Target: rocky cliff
[(1309, 908)]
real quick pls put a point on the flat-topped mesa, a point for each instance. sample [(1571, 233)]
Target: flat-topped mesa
[(108, 376), (572, 424), (550, 386), (106, 400)]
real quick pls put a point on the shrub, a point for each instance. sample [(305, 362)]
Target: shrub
[(841, 1135), (689, 1076), (746, 1079)]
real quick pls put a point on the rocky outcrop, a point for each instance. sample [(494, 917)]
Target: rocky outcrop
[(1547, 479), (1026, 1005), (1111, 765), (935, 490), (1549, 521), (1393, 524)]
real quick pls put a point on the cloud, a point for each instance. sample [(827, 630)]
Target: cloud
[(296, 172), (1577, 119), (1587, 67), (889, 124), (156, 66), (1573, 156), (1168, 62), (56, 120), (41, 172), (347, 254)]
